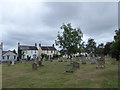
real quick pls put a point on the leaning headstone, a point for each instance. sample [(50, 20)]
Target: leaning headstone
[(34, 66), (83, 60)]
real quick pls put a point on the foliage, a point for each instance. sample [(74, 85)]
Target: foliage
[(107, 48), (28, 57), (91, 46), (100, 49), (19, 53), (14, 51), (117, 36), (56, 56), (70, 40), (43, 56), (115, 47)]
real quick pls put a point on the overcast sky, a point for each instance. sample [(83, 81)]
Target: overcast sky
[(34, 22)]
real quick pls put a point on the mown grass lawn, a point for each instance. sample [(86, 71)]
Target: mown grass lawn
[(52, 75), (0, 76)]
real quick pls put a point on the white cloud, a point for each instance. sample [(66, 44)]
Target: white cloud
[(30, 22)]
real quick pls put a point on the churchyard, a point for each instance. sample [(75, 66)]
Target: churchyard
[(53, 75)]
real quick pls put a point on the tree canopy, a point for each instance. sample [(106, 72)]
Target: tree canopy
[(69, 40), (115, 47), (91, 46)]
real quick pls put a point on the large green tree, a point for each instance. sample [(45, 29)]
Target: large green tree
[(115, 47), (100, 49), (91, 46), (19, 53), (107, 48), (69, 40)]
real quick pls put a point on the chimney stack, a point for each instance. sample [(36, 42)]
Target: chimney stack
[(35, 44), (18, 44), (39, 44), (53, 45)]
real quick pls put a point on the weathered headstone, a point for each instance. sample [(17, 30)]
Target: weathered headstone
[(93, 60), (34, 66), (13, 62), (83, 60), (39, 63), (9, 63), (76, 65), (113, 61), (101, 63)]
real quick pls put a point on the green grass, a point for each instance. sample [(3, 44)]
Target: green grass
[(0, 76), (53, 75)]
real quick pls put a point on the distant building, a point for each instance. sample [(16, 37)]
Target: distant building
[(28, 51), (48, 50), (9, 56)]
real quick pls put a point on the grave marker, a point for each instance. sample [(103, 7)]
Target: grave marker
[(34, 66), (93, 60), (83, 60), (101, 63)]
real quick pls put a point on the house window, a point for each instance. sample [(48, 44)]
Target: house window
[(34, 56), (3, 57), (14, 57), (51, 51), (8, 56)]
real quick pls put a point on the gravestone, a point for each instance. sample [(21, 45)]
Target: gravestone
[(92, 60), (13, 62), (83, 60), (9, 63), (76, 65), (34, 66), (113, 61), (39, 63), (101, 63)]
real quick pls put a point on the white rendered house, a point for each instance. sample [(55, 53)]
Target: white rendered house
[(9, 56), (48, 50), (28, 51)]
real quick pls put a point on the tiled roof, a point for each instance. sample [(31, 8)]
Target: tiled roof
[(22, 47), (4, 52), (48, 48)]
